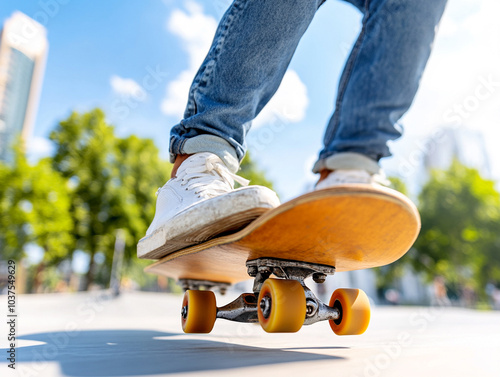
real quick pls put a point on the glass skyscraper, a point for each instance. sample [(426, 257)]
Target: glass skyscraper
[(23, 51)]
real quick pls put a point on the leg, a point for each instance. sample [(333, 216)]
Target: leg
[(250, 53), (379, 81)]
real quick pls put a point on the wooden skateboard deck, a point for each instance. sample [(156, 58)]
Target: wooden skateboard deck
[(350, 227)]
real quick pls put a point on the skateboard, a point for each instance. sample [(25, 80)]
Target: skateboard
[(344, 228)]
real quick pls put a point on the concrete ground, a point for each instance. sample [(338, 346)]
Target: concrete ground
[(139, 334)]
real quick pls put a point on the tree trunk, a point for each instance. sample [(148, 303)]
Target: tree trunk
[(37, 281), (89, 277)]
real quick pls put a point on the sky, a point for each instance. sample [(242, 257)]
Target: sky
[(136, 60)]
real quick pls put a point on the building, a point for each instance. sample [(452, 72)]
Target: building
[(23, 52), (463, 144)]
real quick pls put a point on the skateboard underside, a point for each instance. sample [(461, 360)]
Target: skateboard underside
[(348, 227)]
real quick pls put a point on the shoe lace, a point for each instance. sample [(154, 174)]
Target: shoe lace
[(210, 178)]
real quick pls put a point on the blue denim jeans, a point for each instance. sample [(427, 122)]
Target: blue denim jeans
[(251, 50)]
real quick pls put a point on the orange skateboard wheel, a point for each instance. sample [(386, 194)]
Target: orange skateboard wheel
[(282, 305), (199, 311), (354, 308)]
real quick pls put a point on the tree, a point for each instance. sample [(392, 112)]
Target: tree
[(50, 220), (460, 236), (113, 181), (398, 184), (34, 208), (13, 217), (84, 156), (140, 172), (387, 275)]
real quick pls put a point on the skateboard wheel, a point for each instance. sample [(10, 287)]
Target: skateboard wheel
[(199, 311), (282, 305), (354, 309)]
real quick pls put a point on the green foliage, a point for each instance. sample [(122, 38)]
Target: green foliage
[(460, 236), (13, 217), (84, 155), (95, 184), (113, 183), (398, 184), (387, 275), (250, 171), (50, 218), (34, 208), (140, 172)]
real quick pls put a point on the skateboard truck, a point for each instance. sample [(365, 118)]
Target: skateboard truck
[(279, 305), (203, 284), (245, 307), (262, 268)]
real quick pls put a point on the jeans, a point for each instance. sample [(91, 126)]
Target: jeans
[(251, 50)]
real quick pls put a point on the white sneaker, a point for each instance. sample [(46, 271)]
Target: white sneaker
[(351, 176), (201, 203)]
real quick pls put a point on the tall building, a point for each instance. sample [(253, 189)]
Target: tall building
[(23, 52), (463, 144)]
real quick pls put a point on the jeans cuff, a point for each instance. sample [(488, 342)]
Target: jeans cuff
[(208, 143), (347, 161)]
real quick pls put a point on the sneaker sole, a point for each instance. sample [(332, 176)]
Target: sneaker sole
[(213, 217)]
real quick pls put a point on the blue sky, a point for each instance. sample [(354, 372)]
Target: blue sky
[(103, 55)]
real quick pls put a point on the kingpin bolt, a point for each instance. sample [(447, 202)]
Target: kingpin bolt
[(252, 271), (319, 277)]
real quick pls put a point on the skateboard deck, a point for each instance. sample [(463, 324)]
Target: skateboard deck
[(348, 227)]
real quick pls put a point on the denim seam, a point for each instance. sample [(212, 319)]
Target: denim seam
[(348, 70), (191, 105), (181, 144), (172, 142)]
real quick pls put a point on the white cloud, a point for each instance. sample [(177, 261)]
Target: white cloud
[(177, 93), (127, 88), (466, 54), (196, 30), (288, 104)]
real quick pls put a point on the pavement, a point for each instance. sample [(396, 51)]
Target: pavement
[(139, 334)]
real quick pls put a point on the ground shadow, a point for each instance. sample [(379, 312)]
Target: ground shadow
[(142, 352)]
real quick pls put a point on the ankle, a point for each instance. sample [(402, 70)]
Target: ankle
[(323, 174), (179, 159)]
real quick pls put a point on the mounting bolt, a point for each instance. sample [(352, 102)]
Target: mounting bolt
[(222, 290), (252, 271), (265, 306), (184, 312), (319, 277), (311, 307), (264, 270)]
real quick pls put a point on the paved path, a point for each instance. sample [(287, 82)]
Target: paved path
[(139, 334)]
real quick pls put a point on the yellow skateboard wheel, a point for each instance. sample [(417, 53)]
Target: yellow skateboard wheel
[(199, 311), (354, 308), (282, 305)]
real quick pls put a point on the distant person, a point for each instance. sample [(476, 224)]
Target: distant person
[(440, 292), (249, 56)]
